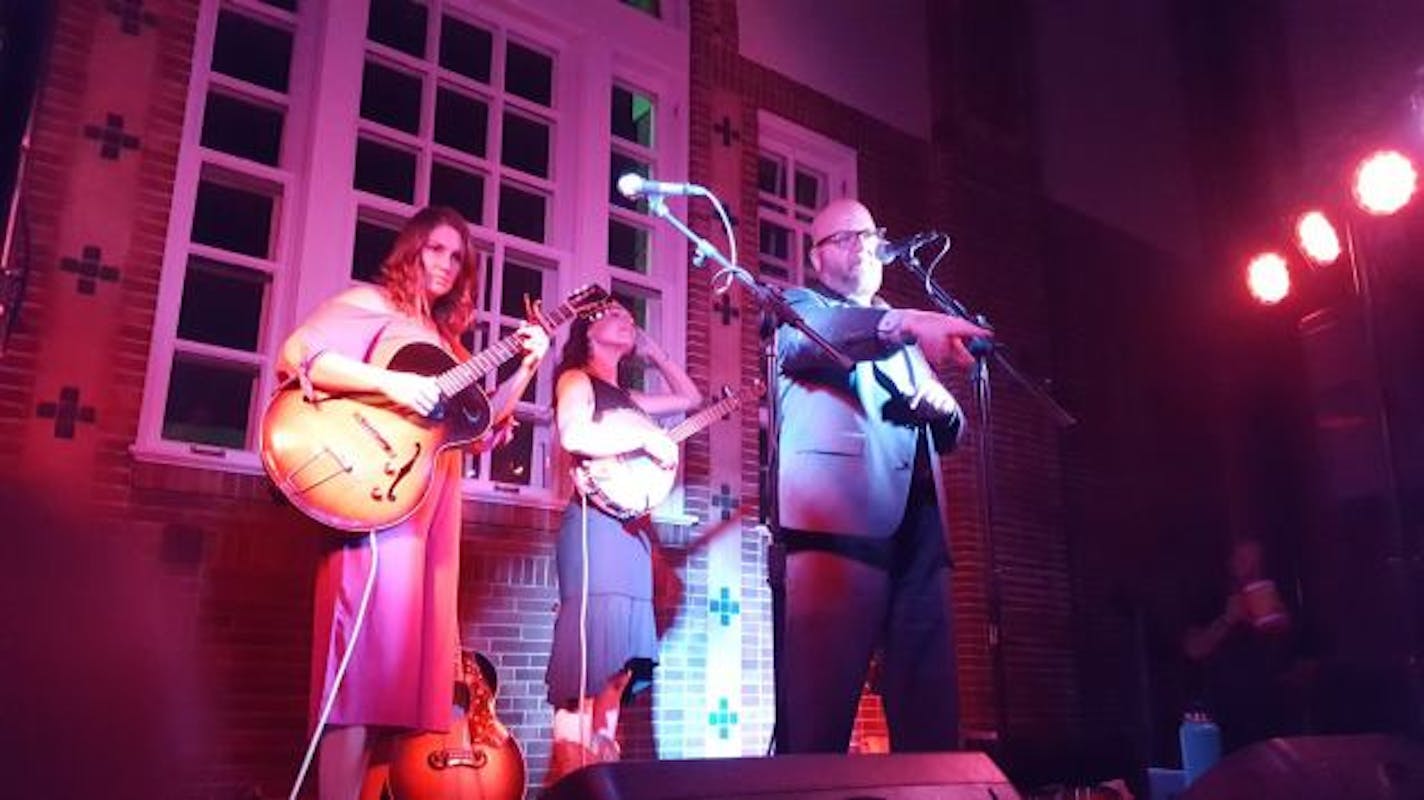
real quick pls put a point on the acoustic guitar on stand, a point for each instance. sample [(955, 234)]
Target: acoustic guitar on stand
[(632, 484), (358, 462)]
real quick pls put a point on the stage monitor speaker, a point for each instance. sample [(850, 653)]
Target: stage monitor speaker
[(915, 776), (1367, 767)]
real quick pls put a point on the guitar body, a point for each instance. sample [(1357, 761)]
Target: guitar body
[(357, 462), (476, 759)]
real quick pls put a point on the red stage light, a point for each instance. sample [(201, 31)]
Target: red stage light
[(1268, 278), (1317, 238), (1384, 182)]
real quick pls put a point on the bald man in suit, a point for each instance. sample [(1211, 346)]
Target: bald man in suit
[(860, 511)]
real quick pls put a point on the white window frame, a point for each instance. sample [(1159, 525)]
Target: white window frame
[(595, 44), (798, 146)]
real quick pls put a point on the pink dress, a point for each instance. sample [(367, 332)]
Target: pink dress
[(406, 655)]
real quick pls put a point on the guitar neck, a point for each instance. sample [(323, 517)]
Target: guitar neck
[(461, 376), (703, 418)]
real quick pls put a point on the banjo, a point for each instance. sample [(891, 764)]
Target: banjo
[(629, 485)]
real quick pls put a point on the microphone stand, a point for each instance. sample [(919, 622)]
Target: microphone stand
[(983, 350), (775, 313)]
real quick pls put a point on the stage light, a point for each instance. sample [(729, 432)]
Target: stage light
[(1317, 238), (1268, 278), (1384, 182)]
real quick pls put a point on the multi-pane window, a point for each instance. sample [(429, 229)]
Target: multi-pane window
[(798, 172), (312, 139), (461, 112), (244, 176)]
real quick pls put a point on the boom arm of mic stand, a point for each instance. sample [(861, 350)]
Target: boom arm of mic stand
[(949, 305), (769, 298)]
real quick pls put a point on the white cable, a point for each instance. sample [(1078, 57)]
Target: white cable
[(585, 731), (340, 670)]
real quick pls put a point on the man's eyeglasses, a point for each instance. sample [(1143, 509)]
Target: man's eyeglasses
[(844, 239)]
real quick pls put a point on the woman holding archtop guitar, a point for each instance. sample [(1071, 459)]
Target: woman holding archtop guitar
[(605, 641), (385, 628)]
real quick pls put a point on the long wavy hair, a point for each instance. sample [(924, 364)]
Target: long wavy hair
[(402, 274)]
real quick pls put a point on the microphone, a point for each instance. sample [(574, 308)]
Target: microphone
[(632, 186), (889, 250)]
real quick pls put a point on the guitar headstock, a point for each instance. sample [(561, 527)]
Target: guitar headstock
[(590, 302)]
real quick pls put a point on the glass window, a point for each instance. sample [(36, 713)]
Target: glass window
[(461, 121), (399, 24), (391, 97), (529, 74), (242, 128), (632, 116), (252, 51), (521, 212), (373, 241), (460, 189), (526, 145), (239, 220), (222, 304), (466, 49), (384, 170), (209, 403)]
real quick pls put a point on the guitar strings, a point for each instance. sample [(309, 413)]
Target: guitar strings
[(340, 669)]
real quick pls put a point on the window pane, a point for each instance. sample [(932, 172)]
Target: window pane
[(208, 403), (529, 74), (466, 49), (399, 24), (627, 246), (526, 145), (385, 170), (246, 49), (243, 129), (773, 240), (290, 5), (222, 304), (521, 212), (631, 371), (519, 281), (513, 463), (620, 165), (770, 269), (373, 242), (239, 220), (461, 190), (809, 186), (461, 121), (390, 97), (650, 7), (632, 116), (771, 175)]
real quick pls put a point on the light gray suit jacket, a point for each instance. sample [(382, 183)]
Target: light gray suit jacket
[(847, 438)]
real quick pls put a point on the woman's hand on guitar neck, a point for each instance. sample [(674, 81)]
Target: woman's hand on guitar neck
[(419, 393), (660, 447)]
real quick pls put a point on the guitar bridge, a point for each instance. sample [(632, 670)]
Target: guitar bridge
[(323, 465)]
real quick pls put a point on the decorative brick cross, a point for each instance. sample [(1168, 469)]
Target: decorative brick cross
[(722, 718), (728, 311), (131, 16), (90, 269), (111, 137), (725, 501), (724, 607), (66, 413), (729, 134)]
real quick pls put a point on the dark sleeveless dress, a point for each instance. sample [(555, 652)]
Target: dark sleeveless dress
[(622, 633)]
